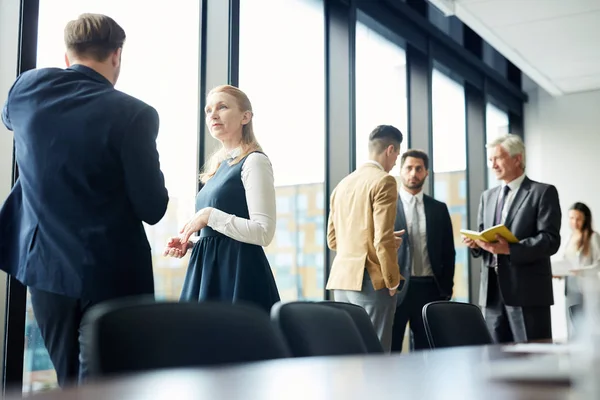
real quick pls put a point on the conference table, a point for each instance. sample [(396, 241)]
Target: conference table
[(453, 373)]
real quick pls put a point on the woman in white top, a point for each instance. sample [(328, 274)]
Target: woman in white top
[(236, 212), (583, 249)]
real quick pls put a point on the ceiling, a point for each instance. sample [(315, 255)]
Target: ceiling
[(555, 42)]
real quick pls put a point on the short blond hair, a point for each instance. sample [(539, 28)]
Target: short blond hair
[(93, 36)]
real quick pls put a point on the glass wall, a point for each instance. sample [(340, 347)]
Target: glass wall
[(282, 70), (450, 166), (380, 84), (282, 64), (148, 73), (496, 123)]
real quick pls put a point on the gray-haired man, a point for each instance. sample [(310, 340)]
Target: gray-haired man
[(516, 279)]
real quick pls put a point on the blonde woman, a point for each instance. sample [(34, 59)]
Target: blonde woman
[(236, 212)]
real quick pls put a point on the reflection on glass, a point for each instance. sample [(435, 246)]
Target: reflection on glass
[(172, 89), (496, 124), (380, 85), (281, 70), (449, 166)]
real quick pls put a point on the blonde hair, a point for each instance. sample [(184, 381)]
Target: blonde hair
[(249, 143)]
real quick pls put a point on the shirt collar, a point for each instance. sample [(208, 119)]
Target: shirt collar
[(90, 73), (515, 184), (235, 152), (375, 163), (407, 197)]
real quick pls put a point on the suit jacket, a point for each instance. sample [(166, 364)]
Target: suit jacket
[(361, 230), (89, 175), (440, 246), (534, 217)]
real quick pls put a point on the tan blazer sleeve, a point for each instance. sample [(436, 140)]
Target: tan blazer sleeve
[(331, 242), (384, 216)]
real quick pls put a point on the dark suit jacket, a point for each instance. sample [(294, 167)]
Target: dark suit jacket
[(525, 276), (89, 175), (440, 246)]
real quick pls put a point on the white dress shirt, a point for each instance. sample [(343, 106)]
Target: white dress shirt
[(258, 181), (374, 163), (514, 186), (407, 198)]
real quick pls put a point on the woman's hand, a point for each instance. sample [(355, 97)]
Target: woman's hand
[(177, 248), (197, 223)]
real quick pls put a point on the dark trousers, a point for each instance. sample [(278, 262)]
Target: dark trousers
[(420, 292), (514, 324), (59, 318)]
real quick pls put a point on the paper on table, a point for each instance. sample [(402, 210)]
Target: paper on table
[(543, 348), (539, 368), (561, 267)]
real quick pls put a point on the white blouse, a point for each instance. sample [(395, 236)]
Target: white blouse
[(258, 181), (576, 257)]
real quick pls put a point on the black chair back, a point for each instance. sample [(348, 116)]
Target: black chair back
[(451, 324), (312, 329), (363, 323), (127, 336)]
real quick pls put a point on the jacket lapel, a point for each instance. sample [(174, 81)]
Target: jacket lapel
[(521, 195), (490, 210), (401, 218), (428, 219)]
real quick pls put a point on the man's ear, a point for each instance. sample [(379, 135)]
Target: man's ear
[(390, 150), (116, 57)]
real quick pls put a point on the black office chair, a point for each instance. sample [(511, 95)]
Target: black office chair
[(135, 335), (312, 329), (451, 324), (363, 323)]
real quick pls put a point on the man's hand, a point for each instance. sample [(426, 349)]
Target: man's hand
[(176, 248), (393, 292), (470, 243), (499, 247), (398, 238)]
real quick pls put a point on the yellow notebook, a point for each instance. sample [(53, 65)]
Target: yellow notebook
[(489, 235)]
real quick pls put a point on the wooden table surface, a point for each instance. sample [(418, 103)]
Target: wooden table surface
[(456, 373)]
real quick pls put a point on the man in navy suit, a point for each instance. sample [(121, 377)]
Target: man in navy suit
[(427, 254), (71, 229)]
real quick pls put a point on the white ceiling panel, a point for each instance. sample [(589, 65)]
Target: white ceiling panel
[(514, 12), (555, 42)]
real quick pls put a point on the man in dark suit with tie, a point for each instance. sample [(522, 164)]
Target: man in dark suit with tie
[(516, 278), (71, 229), (426, 256)]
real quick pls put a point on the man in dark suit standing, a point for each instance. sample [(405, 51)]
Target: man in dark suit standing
[(516, 279), (71, 229), (426, 256)]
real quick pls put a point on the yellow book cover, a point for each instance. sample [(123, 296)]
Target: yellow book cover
[(489, 235)]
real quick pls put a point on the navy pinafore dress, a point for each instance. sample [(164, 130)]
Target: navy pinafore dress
[(222, 268)]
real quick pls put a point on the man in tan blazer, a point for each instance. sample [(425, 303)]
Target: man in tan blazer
[(361, 230)]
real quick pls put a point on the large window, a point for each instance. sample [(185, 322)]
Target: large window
[(450, 165), (380, 84), (282, 61), (150, 74), (496, 124)]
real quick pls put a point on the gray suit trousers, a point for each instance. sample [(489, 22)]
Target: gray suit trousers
[(380, 306)]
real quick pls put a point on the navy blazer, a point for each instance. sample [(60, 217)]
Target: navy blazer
[(89, 174), (440, 246)]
